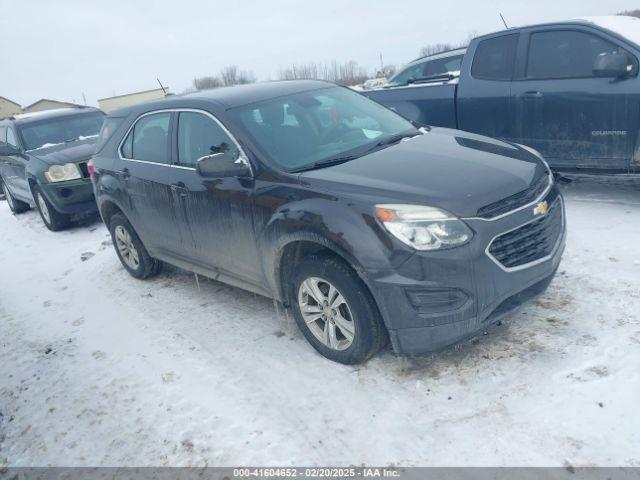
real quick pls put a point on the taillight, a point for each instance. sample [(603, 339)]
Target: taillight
[(90, 168)]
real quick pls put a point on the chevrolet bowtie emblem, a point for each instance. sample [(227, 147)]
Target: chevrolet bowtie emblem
[(541, 209)]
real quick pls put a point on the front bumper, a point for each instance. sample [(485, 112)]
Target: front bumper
[(437, 299), (73, 197)]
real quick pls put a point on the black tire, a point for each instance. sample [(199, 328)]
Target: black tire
[(16, 206), (370, 334), (147, 266), (52, 219)]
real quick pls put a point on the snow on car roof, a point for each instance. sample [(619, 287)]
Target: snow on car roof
[(628, 27)]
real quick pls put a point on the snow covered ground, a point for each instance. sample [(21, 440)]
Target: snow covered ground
[(97, 368)]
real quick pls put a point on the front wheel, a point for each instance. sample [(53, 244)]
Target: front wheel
[(52, 219), (131, 252), (16, 206), (335, 311)]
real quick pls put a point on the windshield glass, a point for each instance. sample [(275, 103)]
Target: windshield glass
[(427, 69), (55, 131), (300, 130)]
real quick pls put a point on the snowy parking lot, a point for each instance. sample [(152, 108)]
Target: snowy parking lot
[(97, 368)]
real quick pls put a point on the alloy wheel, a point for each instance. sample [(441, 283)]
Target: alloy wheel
[(326, 313), (124, 244), (44, 208)]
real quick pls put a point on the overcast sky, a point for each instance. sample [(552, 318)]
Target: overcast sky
[(62, 49)]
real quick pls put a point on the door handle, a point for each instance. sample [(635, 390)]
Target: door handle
[(180, 188), (124, 173), (532, 95)]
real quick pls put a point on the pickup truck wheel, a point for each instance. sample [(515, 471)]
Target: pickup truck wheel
[(335, 311), (52, 219), (131, 252), (16, 206)]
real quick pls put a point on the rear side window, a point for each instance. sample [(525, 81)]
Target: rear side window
[(148, 140), (495, 58), (565, 54), (200, 136), (3, 134), (106, 132)]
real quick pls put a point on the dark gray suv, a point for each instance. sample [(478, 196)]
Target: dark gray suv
[(43, 162), (366, 226)]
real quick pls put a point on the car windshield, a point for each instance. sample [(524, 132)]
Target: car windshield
[(55, 131), (335, 124), (428, 69)]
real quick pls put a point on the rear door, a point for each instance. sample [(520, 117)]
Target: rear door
[(216, 212), (484, 93), (572, 117), (143, 169)]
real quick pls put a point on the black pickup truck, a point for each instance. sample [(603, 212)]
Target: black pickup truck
[(569, 90)]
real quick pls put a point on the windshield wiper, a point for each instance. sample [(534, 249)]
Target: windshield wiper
[(328, 162), (390, 140)]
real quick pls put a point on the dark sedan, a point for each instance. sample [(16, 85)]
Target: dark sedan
[(367, 227), (43, 162)]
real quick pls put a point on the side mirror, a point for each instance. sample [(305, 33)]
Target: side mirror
[(7, 150), (221, 165), (611, 65)]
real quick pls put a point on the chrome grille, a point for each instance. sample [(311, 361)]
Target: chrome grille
[(530, 242)]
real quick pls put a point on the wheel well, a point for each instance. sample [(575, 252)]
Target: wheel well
[(294, 252), (32, 183), (108, 210)]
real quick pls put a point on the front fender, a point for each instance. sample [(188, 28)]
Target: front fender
[(347, 229)]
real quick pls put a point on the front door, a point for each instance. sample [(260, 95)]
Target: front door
[(217, 213), (572, 117)]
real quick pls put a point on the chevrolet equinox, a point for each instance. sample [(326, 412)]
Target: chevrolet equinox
[(368, 227)]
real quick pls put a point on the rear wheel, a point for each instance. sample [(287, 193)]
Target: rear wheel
[(16, 206), (52, 219), (335, 311), (131, 252)]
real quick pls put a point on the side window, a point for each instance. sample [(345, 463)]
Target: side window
[(495, 57), (565, 54), (148, 140), (199, 136), (11, 137), (414, 71), (3, 134)]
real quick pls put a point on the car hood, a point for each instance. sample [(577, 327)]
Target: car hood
[(66, 152), (449, 169)]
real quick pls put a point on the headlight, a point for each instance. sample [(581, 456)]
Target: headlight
[(422, 227), (60, 173)]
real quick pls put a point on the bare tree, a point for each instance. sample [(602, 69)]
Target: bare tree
[(435, 48), (204, 83), (631, 13), (231, 75), (346, 73), (443, 47)]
